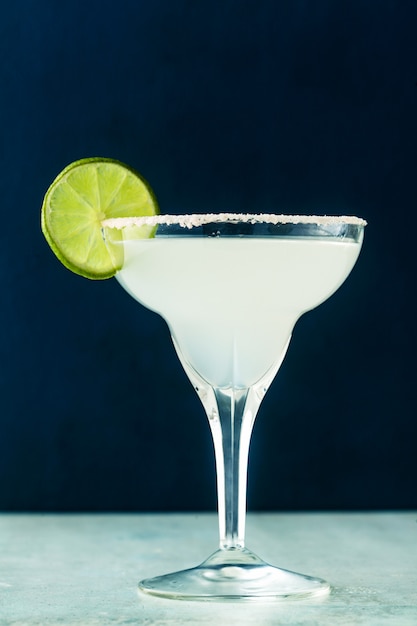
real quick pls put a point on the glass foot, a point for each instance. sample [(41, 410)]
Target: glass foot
[(234, 574)]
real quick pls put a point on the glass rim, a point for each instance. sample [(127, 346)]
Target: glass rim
[(194, 220)]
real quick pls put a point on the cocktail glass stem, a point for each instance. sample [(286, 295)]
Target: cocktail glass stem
[(231, 427), (231, 413)]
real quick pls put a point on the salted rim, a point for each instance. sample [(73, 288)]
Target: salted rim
[(195, 219)]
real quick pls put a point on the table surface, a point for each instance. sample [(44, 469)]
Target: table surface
[(83, 569)]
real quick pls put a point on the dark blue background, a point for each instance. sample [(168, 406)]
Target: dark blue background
[(288, 106)]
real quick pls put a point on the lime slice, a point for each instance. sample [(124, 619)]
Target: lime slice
[(84, 194)]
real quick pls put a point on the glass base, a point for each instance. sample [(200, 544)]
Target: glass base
[(234, 574)]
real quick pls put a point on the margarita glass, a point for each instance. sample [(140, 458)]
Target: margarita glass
[(231, 288)]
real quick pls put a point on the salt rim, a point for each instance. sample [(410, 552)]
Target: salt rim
[(195, 219)]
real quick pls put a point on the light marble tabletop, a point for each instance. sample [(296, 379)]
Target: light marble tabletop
[(83, 569)]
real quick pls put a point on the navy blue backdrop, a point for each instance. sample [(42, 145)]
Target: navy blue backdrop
[(243, 106)]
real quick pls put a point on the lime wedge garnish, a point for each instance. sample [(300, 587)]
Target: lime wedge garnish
[(83, 195)]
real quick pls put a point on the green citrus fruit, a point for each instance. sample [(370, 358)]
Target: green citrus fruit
[(84, 194)]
